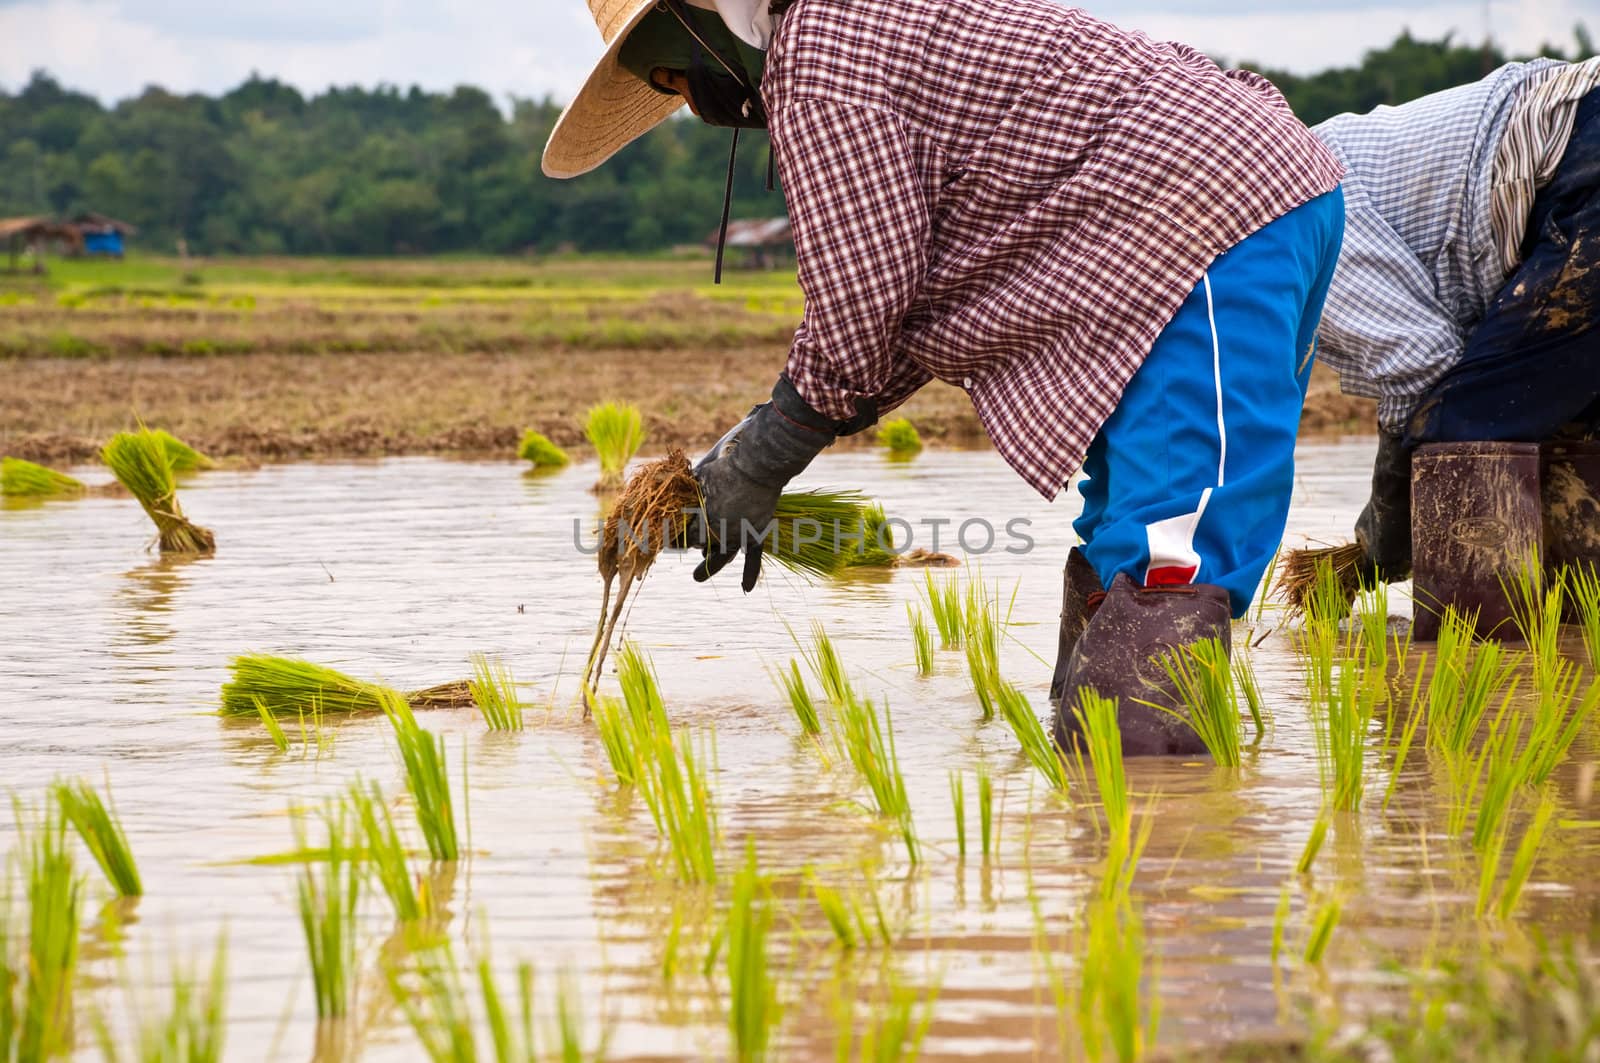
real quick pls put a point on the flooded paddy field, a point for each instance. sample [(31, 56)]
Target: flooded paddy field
[(398, 570)]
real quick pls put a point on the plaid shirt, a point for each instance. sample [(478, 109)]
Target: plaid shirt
[(1421, 258), (1013, 198)]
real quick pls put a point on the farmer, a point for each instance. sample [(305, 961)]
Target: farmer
[(1119, 252), (1467, 297)]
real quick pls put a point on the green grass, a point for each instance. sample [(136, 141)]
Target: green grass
[(868, 741), (24, 479), (616, 430), (921, 640), (753, 1000), (494, 691), (1204, 680), (140, 462), (382, 849), (538, 450), (328, 892), (899, 436), (1035, 741), (180, 455), (97, 824), (800, 700), (54, 891), (192, 1028), (944, 602), (427, 778)]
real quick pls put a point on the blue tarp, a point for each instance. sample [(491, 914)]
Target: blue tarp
[(106, 243)]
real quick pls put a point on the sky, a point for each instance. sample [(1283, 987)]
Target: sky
[(532, 48)]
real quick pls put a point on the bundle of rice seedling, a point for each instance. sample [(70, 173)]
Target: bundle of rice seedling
[(140, 462), (816, 534), (899, 437), (183, 457), (24, 479), (289, 686), (1298, 576), (617, 431), (538, 449)]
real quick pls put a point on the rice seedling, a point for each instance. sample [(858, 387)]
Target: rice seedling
[(1341, 727), (823, 658), (897, 1021), (140, 462), (328, 893), (1323, 923), (616, 431), (1112, 969), (1399, 751), (180, 455), (495, 694), (1301, 573), (805, 709), (986, 837), (921, 640), (1204, 680), (958, 802), (899, 437), (54, 891), (193, 1027), (440, 1015), (1521, 862), (382, 849), (1460, 693), (820, 533), (1280, 924), (24, 479), (1036, 743), (97, 824), (753, 999), (427, 778), (537, 449), (1583, 586), (1372, 616), (1313, 846), (944, 601), (1244, 678), (981, 638), (274, 728), (1536, 611), (868, 741), (289, 686), (1097, 716)]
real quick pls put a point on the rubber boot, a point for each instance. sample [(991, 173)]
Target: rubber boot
[(1570, 496), (1119, 656), (1079, 583), (1475, 522)]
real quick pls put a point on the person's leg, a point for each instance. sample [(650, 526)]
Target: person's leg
[(1191, 475)]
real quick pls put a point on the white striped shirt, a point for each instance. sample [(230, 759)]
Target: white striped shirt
[(1421, 258)]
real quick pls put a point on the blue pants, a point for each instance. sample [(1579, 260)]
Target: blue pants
[(1531, 367), (1189, 478)]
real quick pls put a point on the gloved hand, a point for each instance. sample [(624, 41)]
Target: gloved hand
[(743, 475), (1384, 527)]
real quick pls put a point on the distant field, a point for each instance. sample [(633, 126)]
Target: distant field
[(275, 358)]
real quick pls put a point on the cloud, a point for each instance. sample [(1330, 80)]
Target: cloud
[(114, 48)]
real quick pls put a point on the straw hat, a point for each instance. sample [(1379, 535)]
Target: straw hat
[(614, 107)]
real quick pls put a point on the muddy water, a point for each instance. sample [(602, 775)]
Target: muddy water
[(399, 569)]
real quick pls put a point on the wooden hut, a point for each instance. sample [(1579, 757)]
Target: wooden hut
[(33, 234), (759, 244)]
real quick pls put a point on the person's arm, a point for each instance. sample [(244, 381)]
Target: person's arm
[(861, 232)]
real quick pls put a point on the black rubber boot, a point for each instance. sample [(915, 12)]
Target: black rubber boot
[(1079, 583), (1384, 527), (1570, 498), (1475, 523), (1118, 656)]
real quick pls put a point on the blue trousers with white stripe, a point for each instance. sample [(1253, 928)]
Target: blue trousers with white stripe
[(1189, 478)]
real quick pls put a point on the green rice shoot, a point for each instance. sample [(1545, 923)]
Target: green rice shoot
[(1465, 683), (876, 546), (1244, 677), (436, 1006), (293, 687), (1583, 589), (382, 849), (1097, 718), (1112, 975), (899, 437), (958, 804), (191, 1029), (1323, 923), (274, 728), (944, 602), (182, 457), (537, 450), (54, 894), (1536, 610), (1313, 846), (1341, 716), (987, 838), (825, 663), (427, 778), (981, 640), (616, 430), (328, 892), (800, 700), (24, 479), (101, 831), (494, 691), (753, 1010), (820, 533), (1036, 743), (140, 462), (1203, 677), (868, 741), (921, 640)]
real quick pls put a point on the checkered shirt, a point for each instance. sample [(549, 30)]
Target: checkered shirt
[(1421, 258), (1013, 198)]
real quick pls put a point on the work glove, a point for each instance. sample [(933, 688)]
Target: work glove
[(742, 477), (1384, 527)]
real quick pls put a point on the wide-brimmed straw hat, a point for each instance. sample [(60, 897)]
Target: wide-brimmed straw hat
[(614, 107)]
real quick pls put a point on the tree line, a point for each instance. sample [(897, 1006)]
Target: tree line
[(266, 169)]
